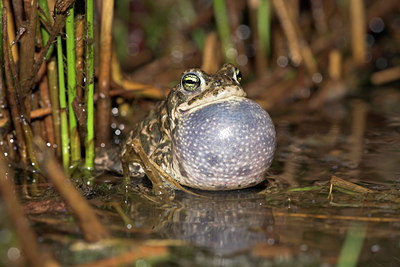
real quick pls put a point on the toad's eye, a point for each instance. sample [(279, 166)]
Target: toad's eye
[(238, 75), (190, 82)]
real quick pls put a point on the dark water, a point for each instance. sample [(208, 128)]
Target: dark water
[(357, 140)]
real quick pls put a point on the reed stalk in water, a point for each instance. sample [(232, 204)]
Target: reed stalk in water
[(71, 81), (63, 106), (47, 21), (89, 143)]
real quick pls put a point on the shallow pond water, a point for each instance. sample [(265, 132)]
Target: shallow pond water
[(294, 222)]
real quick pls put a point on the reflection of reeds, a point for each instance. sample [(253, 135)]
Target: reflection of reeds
[(27, 238), (353, 245)]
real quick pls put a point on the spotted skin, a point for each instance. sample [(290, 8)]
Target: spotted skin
[(206, 134), (220, 146)]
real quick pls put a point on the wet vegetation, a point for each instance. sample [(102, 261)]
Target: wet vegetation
[(75, 76)]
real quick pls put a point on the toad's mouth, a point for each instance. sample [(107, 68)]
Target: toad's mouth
[(185, 108), (200, 101)]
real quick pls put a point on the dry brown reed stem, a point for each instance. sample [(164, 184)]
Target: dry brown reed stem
[(27, 238), (45, 97), (139, 89), (27, 47), (122, 86), (55, 105), (211, 53), (58, 25), (116, 72), (289, 30), (91, 227), (80, 49), (318, 14), (335, 64), (11, 78), (18, 12), (336, 181), (40, 112), (299, 49), (104, 101), (358, 31), (386, 76), (27, 6), (36, 125), (4, 112), (11, 29)]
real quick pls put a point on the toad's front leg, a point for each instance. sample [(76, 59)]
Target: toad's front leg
[(157, 176), (135, 153)]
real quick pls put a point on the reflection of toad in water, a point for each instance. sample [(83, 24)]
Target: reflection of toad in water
[(223, 222)]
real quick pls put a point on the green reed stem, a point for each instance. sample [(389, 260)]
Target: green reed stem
[(1, 34), (45, 15), (71, 76), (52, 75), (63, 106), (224, 31), (264, 25), (89, 144)]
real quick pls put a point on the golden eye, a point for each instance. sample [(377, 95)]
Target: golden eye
[(190, 82), (238, 75)]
